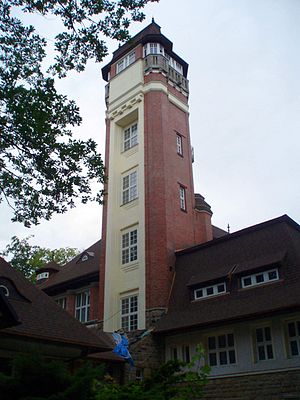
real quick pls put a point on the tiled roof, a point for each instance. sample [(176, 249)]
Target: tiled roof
[(275, 242), (76, 268), (41, 318)]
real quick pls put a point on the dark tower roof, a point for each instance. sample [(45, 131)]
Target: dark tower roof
[(149, 34)]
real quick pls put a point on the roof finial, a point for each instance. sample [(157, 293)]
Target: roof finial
[(228, 228), (153, 20)]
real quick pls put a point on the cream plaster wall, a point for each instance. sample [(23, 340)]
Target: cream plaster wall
[(125, 107)]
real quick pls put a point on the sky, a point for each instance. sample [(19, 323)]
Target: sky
[(244, 68)]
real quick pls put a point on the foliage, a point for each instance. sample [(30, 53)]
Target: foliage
[(174, 380), (26, 258), (43, 169), (34, 378)]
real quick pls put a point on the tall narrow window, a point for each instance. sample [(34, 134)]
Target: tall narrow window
[(179, 144), (153, 48), (264, 346), (82, 306), (129, 247), (129, 313), (293, 330), (182, 198), (130, 137), (129, 187)]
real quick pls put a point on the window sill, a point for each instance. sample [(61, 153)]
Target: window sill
[(132, 150), (130, 266), (130, 204)]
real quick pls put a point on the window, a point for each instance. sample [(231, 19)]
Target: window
[(62, 302), (179, 144), (182, 198), (129, 313), (186, 357), (221, 350), (174, 353), (82, 306), (4, 291), (293, 331), (208, 291), (130, 137), (259, 278), (129, 246), (180, 352), (125, 62), (153, 48), (263, 344), (129, 187), (43, 275)]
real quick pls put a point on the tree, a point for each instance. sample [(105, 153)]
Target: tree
[(27, 258), (34, 378), (43, 169)]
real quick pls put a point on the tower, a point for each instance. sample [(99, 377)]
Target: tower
[(150, 209)]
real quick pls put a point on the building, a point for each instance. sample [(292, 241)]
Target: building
[(239, 296), (150, 209), (75, 288), (75, 285), (31, 321), (162, 265)]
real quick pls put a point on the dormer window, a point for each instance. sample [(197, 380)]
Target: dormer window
[(208, 291), (4, 290), (260, 278), (42, 275)]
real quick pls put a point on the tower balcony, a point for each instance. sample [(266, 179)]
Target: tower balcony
[(158, 62)]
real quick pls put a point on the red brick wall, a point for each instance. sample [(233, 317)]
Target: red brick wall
[(168, 228), (94, 302)]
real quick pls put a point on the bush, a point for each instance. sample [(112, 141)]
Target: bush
[(174, 380)]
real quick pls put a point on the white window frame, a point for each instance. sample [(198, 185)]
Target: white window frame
[(130, 136), (293, 341), (182, 197), (125, 62), (129, 187), (4, 290), (210, 291), (220, 351), (62, 302), (129, 306), (129, 246), (180, 352), (82, 305), (264, 349), (179, 147), (42, 275), (264, 275)]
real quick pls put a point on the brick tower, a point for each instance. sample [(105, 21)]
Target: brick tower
[(150, 208)]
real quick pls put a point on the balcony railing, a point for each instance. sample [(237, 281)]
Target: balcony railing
[(160, 63)]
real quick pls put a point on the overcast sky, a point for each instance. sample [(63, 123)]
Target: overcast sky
[(244, 69)]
